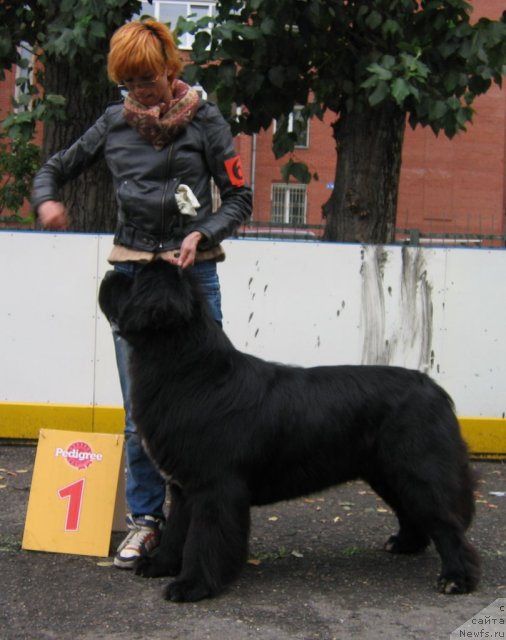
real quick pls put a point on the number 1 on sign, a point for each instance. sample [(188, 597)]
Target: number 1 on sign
[(74, 492)]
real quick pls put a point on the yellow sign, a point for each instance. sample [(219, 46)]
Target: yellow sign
[(77, 493)]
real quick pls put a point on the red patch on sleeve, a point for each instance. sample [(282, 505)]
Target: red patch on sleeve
[(235, 174)]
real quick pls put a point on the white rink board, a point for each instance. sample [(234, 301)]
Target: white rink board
[(435, 309)]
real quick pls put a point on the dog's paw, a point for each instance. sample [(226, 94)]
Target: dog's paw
[(156, 567), (459, 583), (148, 567), (186, 591), (451, 586)]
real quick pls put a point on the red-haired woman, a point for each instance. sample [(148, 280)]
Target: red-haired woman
[(163, 144)]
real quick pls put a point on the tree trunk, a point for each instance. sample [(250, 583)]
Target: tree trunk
[(363, 204), (89, 198)]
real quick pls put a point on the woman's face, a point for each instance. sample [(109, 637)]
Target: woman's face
[(149, 89)]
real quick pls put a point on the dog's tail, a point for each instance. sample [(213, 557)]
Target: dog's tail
[(467, 478), (461, 477), (425, 442)]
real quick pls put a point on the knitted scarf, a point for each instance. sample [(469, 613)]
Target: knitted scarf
[(163, 122)]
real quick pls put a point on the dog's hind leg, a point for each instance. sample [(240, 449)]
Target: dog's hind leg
[(410, 538), (423, 462), (440, 511), (460, 561), (168, 558), (217, 543), (460, 570)]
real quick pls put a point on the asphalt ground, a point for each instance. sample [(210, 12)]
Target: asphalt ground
[(317, 572)]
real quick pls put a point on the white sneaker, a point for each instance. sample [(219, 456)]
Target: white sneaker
[(143, 537)]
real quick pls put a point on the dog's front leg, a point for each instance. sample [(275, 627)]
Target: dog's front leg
[(217, 543), (168, 558)]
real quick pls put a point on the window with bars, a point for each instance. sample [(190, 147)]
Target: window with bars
[(288, 203), (168, 11)]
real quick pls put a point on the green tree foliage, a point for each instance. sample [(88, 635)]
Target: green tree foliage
[(59, 48), (18, 164), (374, 64)]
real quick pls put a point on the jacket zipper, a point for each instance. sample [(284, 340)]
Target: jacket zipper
[(164, 195)]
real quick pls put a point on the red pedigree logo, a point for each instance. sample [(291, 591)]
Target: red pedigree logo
[(78, 455)]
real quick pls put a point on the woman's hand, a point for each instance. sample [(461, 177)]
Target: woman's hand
[(188, 250), (53, 215)]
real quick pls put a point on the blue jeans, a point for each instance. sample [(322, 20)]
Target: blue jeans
[(145, 487)]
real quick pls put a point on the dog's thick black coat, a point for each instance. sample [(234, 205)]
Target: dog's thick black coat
[(231, 430)]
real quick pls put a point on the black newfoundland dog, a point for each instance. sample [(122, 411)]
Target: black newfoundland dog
[(230, 431)]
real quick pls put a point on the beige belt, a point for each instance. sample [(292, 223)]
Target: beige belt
[(120, 253)]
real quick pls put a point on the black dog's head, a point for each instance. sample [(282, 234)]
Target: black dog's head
[(159, 296)]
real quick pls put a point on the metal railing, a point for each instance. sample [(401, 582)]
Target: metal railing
[(415, 237), (280, 231), (406, 236)]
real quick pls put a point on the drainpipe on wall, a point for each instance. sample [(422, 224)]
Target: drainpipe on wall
[(253, 165)]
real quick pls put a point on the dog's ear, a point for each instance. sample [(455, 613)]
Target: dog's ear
[(161, 297), (113, 294)]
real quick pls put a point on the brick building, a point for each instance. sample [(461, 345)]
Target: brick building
[(446, 186), (456, 186)]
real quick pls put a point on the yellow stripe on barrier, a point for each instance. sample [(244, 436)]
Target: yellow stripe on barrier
[(24, 420), (486, 437)]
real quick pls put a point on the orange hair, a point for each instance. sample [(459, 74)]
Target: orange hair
[(142, 47)]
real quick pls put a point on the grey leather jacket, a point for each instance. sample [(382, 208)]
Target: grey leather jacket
[(145, 180)]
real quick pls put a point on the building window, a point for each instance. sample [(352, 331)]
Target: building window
[(295, 123), (168, 11), (288, 203)]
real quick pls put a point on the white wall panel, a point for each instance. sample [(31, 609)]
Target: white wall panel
[(434, 309), (47, 328), (292, 302), (439, 310), (473, 363)]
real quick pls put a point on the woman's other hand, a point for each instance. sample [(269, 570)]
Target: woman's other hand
[(53, 215)]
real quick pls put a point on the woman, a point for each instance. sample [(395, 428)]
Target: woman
[(163, 145)]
